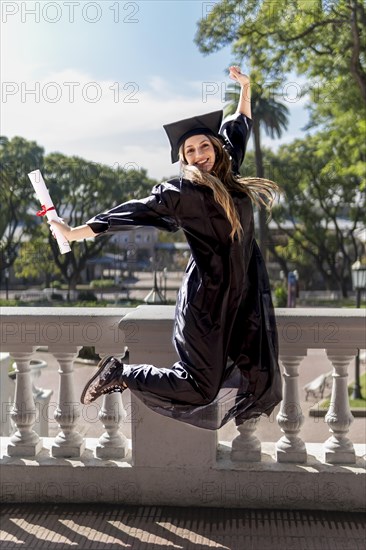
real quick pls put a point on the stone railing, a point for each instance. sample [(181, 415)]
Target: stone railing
[(165, 461)]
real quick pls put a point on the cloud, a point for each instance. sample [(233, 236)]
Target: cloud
[(105, 121)]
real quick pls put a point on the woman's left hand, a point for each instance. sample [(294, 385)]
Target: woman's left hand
[(236, 74)]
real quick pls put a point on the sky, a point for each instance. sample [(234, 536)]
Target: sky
[(99, 79)]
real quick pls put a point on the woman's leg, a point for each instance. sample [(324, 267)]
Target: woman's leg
[(173, 383)]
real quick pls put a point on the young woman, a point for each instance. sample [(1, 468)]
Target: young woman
[(224, 330)]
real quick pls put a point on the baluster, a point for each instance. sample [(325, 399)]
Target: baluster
[(25, 441), (246, 447), (68, 442), (112, 444), (338, 448), (291, 448)]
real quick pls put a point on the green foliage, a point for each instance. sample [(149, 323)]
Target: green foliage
[(267, 113), (267, 108), (35, 259), (57, 285), (313, 38), (8, 303), (85, 303), (280, 294), (353, 403), (102, 283), (79, 189), (76, 187), (318, 197), (323, 175), (18, 157)]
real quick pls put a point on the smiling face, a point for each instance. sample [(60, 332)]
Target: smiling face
[(199, 151)]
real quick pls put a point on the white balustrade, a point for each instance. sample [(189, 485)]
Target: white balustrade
[(68, 442), (112, 443), (25, 442), (246, 447), (6, 395), (64, 332), (166, 453), (291, 448), (338, 448)]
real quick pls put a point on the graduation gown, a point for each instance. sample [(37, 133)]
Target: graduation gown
[(224, 329)]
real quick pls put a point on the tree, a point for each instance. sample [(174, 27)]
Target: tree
[(319, 39), (18, 157), (319, 198), (35, 259), (270, 114), (323, 42), (80, 189)]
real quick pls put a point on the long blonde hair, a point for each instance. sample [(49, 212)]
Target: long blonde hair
[(221, 180)]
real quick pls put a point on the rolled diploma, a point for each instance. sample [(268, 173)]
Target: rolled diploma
[(45, 199)]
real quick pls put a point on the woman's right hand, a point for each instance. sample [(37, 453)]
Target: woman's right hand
[(62, 227), (72, 233)]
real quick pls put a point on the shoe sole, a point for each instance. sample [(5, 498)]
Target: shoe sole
[(103, 364)]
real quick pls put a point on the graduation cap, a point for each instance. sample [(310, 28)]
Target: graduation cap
[(178, 132)]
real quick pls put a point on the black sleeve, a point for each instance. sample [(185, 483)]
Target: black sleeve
[(159, 210), (236, 131)]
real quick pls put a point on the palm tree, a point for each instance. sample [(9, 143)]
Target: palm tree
[(266, 112)]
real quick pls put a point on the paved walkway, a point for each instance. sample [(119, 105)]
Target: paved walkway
[(77, 526)]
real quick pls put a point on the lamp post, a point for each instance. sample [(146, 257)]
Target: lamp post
[(154, 296), (69, 274), (165, 276), (359, 284), (7, 275)]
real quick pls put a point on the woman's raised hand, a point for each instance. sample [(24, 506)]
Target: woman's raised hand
[(236, 74), (244, 105)]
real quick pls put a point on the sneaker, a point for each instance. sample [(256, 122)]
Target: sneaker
[(107, 379)]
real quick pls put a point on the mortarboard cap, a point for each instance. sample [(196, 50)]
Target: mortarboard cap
[(178, 132)]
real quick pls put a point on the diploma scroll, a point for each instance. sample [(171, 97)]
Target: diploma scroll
[(47, 208)]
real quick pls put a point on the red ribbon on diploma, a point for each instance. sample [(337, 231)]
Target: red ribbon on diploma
[(44, 210)]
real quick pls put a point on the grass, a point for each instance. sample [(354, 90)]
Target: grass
[(345, 302), (353, 403), (65, 303)]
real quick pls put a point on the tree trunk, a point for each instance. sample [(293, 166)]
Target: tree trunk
[(260, 174), (279, 259), (355, 65)]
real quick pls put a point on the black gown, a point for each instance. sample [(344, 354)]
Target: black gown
[(224, 330)]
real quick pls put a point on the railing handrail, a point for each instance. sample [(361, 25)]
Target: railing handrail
[(309, 327), (155, 462)]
